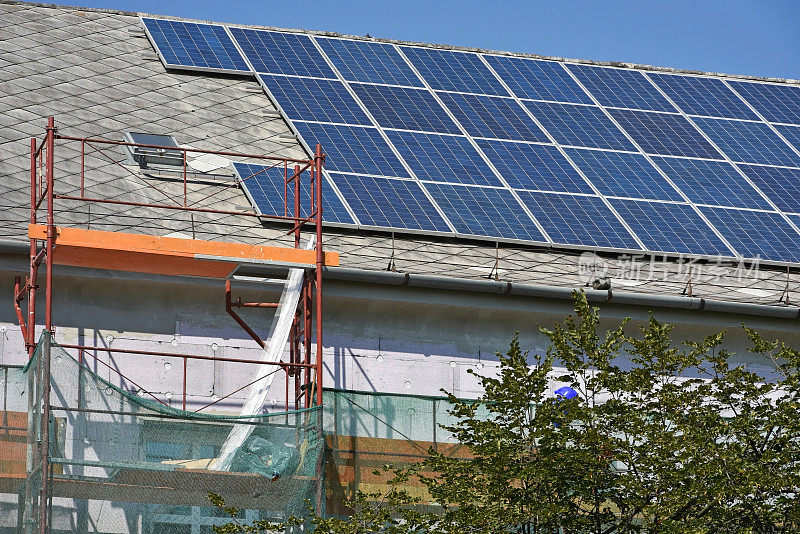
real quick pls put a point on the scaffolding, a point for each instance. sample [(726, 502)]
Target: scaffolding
[(51, 468)]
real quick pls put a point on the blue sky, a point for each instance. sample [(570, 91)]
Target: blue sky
[(755, 37)]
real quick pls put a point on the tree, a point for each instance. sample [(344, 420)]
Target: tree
[(660, 438)]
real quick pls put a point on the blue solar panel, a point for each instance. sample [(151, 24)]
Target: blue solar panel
[(538, 80), (443, 158), (389, 202), (578, 220), (777, 103), (266, 187), (791, 133), (365, 61), (703, 96), (619, 174), (621, 88), (308, 99), (757, 234), (186, 44), (667, 227), (749, 142), (539, 167), (579, 125), (352, 149), (711, 182), (491, 116), (484, 211), (282, 53), (782, 186), (661, 133), (406, 109), (454, 71)]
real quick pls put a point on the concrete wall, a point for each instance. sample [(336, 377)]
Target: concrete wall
[(377, 338)]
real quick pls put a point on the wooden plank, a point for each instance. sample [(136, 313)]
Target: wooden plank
[(166, 255)]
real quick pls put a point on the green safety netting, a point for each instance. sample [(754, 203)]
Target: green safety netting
[(135, 459)]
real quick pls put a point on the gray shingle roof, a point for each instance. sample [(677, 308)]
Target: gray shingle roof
[(95, 71)]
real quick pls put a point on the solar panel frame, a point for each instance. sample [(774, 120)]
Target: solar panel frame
[(472, 210), (771, 235), (405, 108), (356, 59), (711, 182), (748, 142), (390, 203), (493, 117), (781, 185), (422, 151), (620, 88), (450, 70), (665, 134), (696, 95), (538, 80), (264, 187), (775, 102), (314, 99), (536, 167), (344, 157), (224, 50), (583, 220), (670, 227), (569, 127), (622, 174), (299, 56)]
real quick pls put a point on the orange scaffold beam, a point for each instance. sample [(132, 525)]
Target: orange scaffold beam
[(120, 251)]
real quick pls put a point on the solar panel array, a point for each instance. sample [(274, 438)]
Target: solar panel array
[(517, 149)]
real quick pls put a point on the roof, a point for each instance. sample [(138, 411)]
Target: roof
[(96, 72)]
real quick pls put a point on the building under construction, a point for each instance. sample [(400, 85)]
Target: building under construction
[(248, 260)]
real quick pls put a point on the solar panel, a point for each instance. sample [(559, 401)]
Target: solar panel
[(494, 117), (311, 99), (352, 149), (365, 61), (539, 167), (578, 220), (619, 174), (454, 71), (702, 96), (420, 134), (282, 53), (775, 102), (443, 158), (579, 125), (199, 46), (670, 227), (749, 142), (791, 133), (711, 182), (406, 109), (621, 88), (265, 186), (662, 133), (757, 234), (782, 186), (484, 211), (538, 80), (389, 202)]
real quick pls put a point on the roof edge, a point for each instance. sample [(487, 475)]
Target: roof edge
[(347, 274), (620, 64)]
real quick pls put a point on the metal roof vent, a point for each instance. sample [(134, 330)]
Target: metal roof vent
[(145, 156)]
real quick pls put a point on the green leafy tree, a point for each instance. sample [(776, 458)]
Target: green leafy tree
[(660, 438)]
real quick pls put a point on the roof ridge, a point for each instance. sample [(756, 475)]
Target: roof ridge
[(619, 64)]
